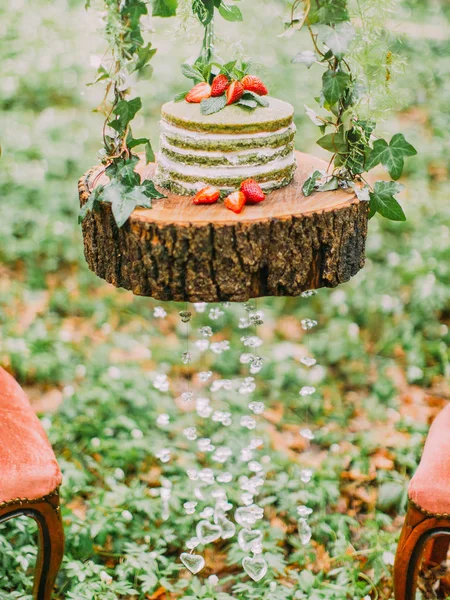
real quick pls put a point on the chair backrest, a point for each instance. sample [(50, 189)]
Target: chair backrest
[(28, 467), (430, 486)]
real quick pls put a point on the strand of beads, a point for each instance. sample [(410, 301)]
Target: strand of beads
[(306, 391), (213, 523), (249, 539)]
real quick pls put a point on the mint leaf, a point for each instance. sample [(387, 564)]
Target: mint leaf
[(229, 12), (180, 97), (391, 156), (382, 200), (165, 8), (247, 103), (337, 38), (210, 106), (248, 95), (334, 85), (310, 184), (192, 72), (307, 57)]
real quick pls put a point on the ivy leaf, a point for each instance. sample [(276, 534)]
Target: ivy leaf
[(334, 85), (204, 10), (210, 106), (127, 176), (330, 185), (313, 116), (382, 200), (144, 55), (126, 111), (334, 142), (329, 11), (149, 154), (307, 57), (229, 12), (362, 193), (165, 8), (133, 142), (337, 38), (92, 203), (310, 184), (391, 156), (150, 191)]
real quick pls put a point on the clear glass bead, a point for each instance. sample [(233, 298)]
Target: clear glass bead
[(308, 324), (190, 433), (307, 390), (248, 422), (206, 331), (185, 316)]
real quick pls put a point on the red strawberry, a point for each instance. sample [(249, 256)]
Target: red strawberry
[(234, 92), (208, 195), (235, 202), (199, 92), (252, 191), (254, 84), (219, 85)]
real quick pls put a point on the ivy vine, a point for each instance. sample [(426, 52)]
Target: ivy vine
[(128, 56), (351, 139)]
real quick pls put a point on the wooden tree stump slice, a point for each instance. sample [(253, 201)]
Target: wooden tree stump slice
[(178, 251)]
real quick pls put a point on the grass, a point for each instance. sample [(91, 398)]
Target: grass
[(88, 354)]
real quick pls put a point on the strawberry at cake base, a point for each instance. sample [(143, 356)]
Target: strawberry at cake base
[(225, 148)]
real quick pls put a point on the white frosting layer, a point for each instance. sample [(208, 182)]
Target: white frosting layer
[(243, 171), (167, 128), (263, 152)]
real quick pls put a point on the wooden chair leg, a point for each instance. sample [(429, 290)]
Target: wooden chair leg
[(418, 530), (46, 513)]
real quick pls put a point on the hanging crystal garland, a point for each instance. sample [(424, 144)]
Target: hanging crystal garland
[(209, 506)]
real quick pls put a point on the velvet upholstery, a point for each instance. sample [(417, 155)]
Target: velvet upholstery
[(430, 487), (28, 467)]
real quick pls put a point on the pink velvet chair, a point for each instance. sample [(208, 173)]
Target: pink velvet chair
[(425, 538), (29, 480)]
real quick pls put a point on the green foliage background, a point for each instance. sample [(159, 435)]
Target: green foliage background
[(61, 330)]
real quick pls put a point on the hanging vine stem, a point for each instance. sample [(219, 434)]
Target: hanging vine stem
[(355, 148), (208, 43), (128, 56)]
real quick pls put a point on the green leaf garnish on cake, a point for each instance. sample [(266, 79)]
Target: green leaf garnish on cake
[(217, 86)]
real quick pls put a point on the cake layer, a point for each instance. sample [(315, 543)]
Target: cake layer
[(232, 120), (253, 156), (280, 169), (183, 138)]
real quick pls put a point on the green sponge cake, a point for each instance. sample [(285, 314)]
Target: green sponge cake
[(225, 148)]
